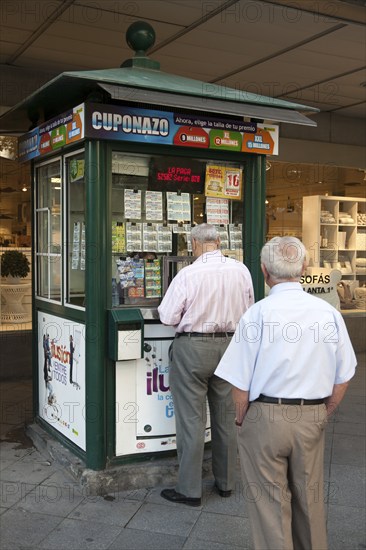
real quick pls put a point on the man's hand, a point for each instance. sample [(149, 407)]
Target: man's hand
[(334, 400), (241, 402)]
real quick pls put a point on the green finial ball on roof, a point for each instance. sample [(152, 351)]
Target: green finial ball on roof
[(140, 36)]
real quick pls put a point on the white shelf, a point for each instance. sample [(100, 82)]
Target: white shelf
[(343, 238)]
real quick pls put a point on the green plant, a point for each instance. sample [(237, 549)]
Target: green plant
[(14, 263)]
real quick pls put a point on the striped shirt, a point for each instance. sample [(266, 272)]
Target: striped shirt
[(210, 295)]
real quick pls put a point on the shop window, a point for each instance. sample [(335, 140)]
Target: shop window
[(49, 233), (75, 231)]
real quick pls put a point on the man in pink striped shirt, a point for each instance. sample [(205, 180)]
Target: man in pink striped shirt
[(204, 303)]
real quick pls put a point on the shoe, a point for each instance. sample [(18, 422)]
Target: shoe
[(223, 494), (173, 496)]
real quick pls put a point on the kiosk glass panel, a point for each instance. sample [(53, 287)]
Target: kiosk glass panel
[(75, 239), (49, 230)]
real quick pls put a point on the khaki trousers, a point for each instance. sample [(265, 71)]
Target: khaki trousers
[(192, 381), (282, 452)]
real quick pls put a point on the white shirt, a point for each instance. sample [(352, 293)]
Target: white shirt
[(210, 295), (291, 345)]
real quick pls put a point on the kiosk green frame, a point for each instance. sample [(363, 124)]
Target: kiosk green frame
[(138, 84)]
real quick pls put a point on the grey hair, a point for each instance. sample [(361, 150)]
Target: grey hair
[(284, 258), (204, 233)]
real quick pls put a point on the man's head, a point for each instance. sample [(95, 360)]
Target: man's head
[(205, 238), (283, 259)]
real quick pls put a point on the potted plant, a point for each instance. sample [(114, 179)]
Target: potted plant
[(14, 265)]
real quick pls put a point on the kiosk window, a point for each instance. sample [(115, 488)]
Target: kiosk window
[(49, 237), (155, 202), (75, 239)]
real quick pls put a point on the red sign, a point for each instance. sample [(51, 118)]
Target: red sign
[(190, 136), (174, 174)]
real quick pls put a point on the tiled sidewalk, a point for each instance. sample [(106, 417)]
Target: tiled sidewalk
[(42, 507)]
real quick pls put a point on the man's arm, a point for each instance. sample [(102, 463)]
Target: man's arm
[(241, 402), (334, 400)]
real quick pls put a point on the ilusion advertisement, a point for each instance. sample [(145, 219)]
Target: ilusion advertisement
[(115, 122), (155, 426), (61, 376)]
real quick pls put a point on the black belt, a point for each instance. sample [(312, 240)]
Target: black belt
[(285, 401), (206, 334)]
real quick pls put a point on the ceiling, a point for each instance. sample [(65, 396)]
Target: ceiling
[(311, 52), (306, 51)]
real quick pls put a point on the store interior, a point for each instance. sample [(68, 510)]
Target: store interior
[(287, 184)]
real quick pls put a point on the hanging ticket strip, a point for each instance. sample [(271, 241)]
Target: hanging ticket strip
[(236, 236), (82, 247), (217, 211), (75, 246), (178, 206), (154, 205), (78, 246), (132, 202)]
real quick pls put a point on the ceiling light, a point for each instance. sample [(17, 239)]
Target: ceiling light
[(55, 180)]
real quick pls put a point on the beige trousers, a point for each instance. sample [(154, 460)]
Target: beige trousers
[(282, 452)]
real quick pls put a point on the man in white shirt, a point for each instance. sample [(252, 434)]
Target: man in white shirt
[(204, 303), (289, 362)]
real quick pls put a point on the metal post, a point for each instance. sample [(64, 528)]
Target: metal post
[(254, 218), (95, 283)]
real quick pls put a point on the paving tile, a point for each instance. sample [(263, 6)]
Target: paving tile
[(53, 499), (12, 492), (199, 544), (134, 494), (352, 398), (218, 528), (12, 451), (349, 428), (15, 411), (5, 464), (234, 505), (32, 467), (352, 412), (73, 534), (134, 539), (346, 528), (112, 512), (21, 529), (347, 486), (64, 478), (348, 449), (171, 519)]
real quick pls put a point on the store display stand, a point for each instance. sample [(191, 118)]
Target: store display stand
[(334, 232), (13, 310)]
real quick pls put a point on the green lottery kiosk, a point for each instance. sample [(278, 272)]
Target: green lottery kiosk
[(125, 161)]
